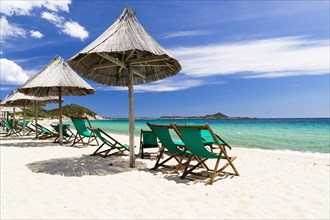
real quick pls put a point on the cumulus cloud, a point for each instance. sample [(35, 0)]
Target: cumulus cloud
[(12, 73), (53, 18), (268, 58), (70, 28), (36, 34), (10, 30), (25, 7), (74, 29)]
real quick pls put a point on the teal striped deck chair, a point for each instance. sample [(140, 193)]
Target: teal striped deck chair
[(191, 135), (113, 146), (176, 149), (82, 131)]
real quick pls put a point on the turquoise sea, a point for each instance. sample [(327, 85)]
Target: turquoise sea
[(304, 135)]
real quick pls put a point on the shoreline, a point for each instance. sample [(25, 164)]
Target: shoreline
[(47, 122)]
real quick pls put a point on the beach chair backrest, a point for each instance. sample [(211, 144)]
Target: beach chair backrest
[(192, 137), (164, 136), (79, 124), (44, 129), (206, 135), (148, 138), (8, 125)]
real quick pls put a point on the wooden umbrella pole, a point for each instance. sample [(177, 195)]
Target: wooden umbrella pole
[(14, 117), (131, 118), (23, 120), (36, 117), (60, 111)]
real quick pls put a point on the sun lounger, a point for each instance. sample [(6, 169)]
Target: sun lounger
[(45, 133), (68, 135), (191, 135), (82, 131), (10, 130), (176, 149), (113, 146), (148, 140)]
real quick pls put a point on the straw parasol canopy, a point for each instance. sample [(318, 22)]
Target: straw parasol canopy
[(56, 79), (125, 55), (20, 99)]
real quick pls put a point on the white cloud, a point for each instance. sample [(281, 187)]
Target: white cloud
[(188, 33), (70, 28), (12, 73), (36, 34), (74, 29), (10, 30), (53, 18), (12, 7), (278, 57), (175, 83)]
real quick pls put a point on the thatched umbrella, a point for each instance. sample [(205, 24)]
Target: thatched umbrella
[(125, 55), (56, 79), (6, 109), (20, 99)]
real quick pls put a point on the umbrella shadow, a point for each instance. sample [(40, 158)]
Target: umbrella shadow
[(26, 143), (85, 165)]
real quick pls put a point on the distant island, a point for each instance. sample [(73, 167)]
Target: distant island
[(218, 115)]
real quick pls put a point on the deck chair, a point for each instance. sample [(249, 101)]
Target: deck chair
[(10, 130), (191, 136), (113, 145), (148, 140), (68, 135), (45, 133), (82, 131), (176, 149), (25, 125), (208, 139)]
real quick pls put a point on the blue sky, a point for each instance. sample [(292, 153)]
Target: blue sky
[(241, 58)]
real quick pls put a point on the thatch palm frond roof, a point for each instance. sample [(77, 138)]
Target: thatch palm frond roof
[(125, 43), (56, 74), (20, 99)]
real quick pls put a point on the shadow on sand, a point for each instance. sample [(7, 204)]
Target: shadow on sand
[(85, 165), (25, 142)]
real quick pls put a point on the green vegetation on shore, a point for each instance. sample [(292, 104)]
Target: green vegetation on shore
[(67, 111)]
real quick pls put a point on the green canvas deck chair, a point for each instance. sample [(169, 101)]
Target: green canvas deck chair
[(148, 140), (68, 135), (10, 130), (113, 146), (191, 136), (176, 149), (82, 131), (208, 139), (45, 133)]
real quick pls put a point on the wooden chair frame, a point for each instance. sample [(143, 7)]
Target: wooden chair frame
[(177, 153), (201, 160), (113, 144)]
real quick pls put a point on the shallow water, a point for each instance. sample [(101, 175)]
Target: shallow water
[(305, 135)]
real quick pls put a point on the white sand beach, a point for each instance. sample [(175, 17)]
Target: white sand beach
[(43, 180)]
